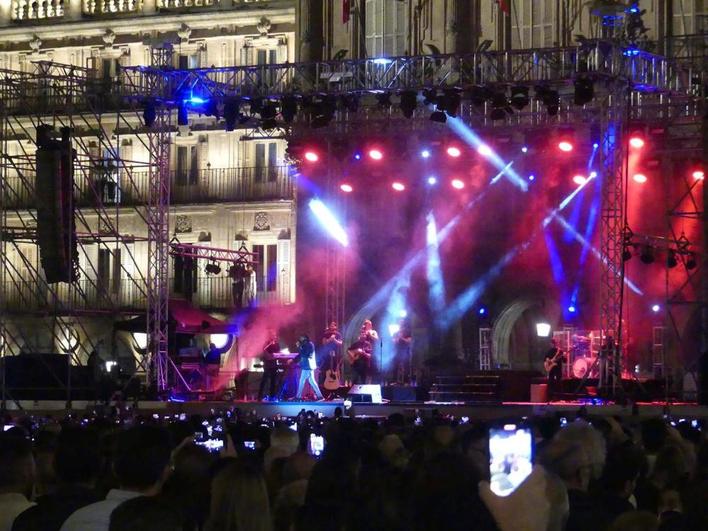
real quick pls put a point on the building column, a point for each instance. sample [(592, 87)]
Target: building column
[(309, 30), (149, 7), (74, 11), (461, 32)]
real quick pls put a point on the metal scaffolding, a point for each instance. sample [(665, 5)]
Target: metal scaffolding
[(628, 86)]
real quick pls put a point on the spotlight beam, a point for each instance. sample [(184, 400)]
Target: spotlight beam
[(328, 221), (436, 284), (471, 138)]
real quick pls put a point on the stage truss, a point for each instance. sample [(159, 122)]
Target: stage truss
[(636, 84)]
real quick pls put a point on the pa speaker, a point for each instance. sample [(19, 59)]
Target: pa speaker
[(365, 393)]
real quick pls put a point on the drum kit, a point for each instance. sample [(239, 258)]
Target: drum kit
[(583, 357)]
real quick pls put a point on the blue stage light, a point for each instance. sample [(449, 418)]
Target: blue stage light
[(655, 308), (532, 177), (524, 149), (329, 222), (571, 308), (425, 154), (432, 180), (482, 311)]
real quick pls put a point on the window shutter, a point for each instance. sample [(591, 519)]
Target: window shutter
[(246, 55), (116, 273), (284, 270)]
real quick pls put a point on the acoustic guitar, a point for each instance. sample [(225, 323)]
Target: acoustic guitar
[(357, 353), (332, 376)]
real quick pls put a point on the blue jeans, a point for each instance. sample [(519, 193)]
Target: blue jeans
[(307, 375)]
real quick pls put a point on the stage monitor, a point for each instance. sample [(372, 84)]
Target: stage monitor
[(365, 393)]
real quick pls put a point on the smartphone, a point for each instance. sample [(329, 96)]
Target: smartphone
[(510, 458), (563, 422), (694, 424), (293, 426), (347, 404), (316, 445), (182, 416), (8, 427), (250, 445), (213, 444)]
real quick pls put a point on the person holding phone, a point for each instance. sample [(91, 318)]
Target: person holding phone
[(306, 359)]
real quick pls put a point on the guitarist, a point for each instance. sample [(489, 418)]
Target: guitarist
[(553, 363), (328, 355), (360, 353)]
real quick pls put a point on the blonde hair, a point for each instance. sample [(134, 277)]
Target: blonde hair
[(239, 500)]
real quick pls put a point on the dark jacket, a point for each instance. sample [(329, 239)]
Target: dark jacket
[(305, 353)]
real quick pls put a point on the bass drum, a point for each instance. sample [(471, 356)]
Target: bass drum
[(580, 368)]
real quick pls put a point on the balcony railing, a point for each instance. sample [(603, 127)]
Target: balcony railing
[(186, 5), (36, 10), (111, 7), (213, 293), (212, 185)]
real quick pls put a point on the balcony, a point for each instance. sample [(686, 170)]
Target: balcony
[(111, 7), (128, 295), (212, 185), (181, 6), (36, 10)]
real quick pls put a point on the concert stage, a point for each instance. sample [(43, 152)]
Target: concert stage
[(486, 412)]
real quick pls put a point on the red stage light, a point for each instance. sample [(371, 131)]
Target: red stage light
[(457, 183), (698, 175), (566, 146), (639, 178), (375, 154), (454, 151), (346, 188), (399, 187), (311, 156), (636, 141), (579, 180)]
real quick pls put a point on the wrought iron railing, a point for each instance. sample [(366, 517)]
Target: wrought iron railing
[(181, 5), (211, 185)]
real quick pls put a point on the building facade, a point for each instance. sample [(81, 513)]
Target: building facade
[(229, 190)]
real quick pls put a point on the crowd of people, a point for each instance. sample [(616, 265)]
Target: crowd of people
[(231, 471)]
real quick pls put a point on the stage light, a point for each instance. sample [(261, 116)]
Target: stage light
[(565, 146), (550, 98), (543, 329), (584, 91), (149, 114), (671, 260), (425, 154), (432, 180), (626, 254), (398, 186), (375, 154), (579, 180), (519, 97), (655, 308), (409, 101), (639, 178), (524, 149), (571, 309), (454, 151), (698, 175), (449, 102), (403, 314), (311, 156), (438, 117), (593, 174), (532, 177), (357, 156), (485, 150), (182, 115), (636, 141), (457, 184), (346, 188), (393, 329), (328, 221), (595, 145), (482, 310), (220, 340), (647, 254), (140, 339), (691, 262), (288, 108), (213, 268)]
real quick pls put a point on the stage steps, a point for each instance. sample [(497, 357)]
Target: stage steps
[(477, 389)]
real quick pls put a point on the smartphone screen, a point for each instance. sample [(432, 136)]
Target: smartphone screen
[(213, 444), (251, 445), (316, 445), (510, 458)]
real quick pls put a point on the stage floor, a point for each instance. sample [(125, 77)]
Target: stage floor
[(504, 410)]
